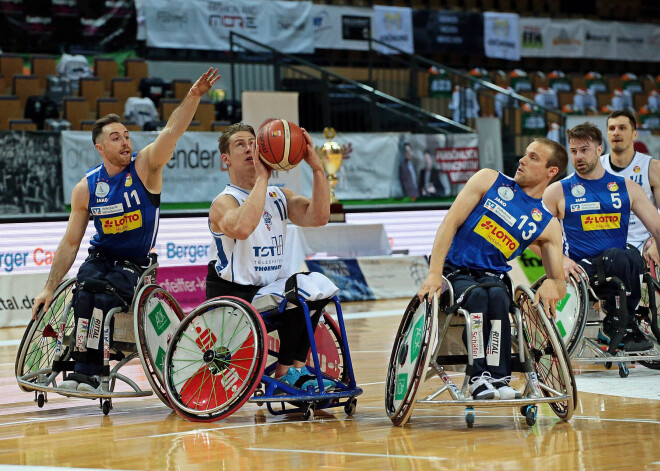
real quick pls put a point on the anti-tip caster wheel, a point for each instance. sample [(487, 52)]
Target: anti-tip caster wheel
[(107, 405), (308, 412), (623, 370), (350, 407), (41, 399), (530, 415), (469, 417)]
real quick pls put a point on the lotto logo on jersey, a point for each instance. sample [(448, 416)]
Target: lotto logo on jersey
[(127, 222), (599, 222), (496, 235)]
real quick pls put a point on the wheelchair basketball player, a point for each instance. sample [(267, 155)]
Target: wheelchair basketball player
[(595, 207), (493, 219)]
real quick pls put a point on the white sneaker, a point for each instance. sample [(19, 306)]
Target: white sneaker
[(481, 387), (506, 391)]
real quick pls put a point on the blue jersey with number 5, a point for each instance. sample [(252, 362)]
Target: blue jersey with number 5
[(596, 215), (125, 217), (504, 223)]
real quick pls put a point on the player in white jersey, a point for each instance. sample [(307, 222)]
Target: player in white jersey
[(643, 169), (248, 222)]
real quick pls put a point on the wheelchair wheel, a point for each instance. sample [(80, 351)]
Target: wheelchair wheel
[(548, 353), (410, 358), (156, 316), (329, 345), (215, 359), (37, 348)]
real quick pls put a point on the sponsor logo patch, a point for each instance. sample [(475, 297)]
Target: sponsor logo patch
[(599, 222), (127, 222), (95, 328), (476, 336), (585, 207), (129, 180), (491, 205), (612, 186), (276, 133), (268, 219), (496, 235), (636, 169), (493, 350), (105, 210), (536, 214)]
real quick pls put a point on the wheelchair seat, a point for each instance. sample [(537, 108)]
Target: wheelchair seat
[(140, 329), (429, 339)]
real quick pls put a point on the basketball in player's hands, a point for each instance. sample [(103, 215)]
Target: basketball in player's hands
[(281, 144)]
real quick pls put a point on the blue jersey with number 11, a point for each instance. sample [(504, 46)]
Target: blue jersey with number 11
[(504, 223)]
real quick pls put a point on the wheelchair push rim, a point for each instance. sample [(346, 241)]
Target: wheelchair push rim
[(37, 347), (157, 315), (571, 312), (410, 358), (215, 359), (548, 354)]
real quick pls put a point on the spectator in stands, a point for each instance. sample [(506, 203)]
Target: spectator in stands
[(123, 196), (464, 104)]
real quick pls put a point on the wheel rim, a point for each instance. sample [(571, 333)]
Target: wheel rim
[(158, 316), (214, 360), (37, 350), (545, 350)]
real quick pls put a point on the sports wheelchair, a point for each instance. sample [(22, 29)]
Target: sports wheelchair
[(218, 359), (429, 338), (579, 318), (141, 328)]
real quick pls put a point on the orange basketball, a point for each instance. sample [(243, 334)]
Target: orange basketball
[(281, 144)]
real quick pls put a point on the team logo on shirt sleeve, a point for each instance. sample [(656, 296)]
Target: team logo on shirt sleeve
[(496, 235), (599, 222)]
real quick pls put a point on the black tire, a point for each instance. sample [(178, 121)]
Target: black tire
[(150, 334), (37, 351), (215, 359), (548, 353), (407, 366)]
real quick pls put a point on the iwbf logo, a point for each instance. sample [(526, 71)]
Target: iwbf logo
[(496, 235)]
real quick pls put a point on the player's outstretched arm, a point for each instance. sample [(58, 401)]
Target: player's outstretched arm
[(69, 245), (155, 156), (465, 202)]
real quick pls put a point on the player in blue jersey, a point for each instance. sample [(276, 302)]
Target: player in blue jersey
[(248, 222), (493, 219), (123, 197), (594, 207)]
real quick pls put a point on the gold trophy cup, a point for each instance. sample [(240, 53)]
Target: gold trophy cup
[(331, 155)]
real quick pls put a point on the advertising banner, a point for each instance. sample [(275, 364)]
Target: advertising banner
[(393, 26), (533, 36), (206, 24), (501, 38), (17, 295), (186, 283), (449, 32), (340, 27)]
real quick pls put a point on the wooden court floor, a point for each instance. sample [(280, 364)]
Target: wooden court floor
[(615, 426)]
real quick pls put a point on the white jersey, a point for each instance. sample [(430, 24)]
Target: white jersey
[(637, 171), (257, 260)]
